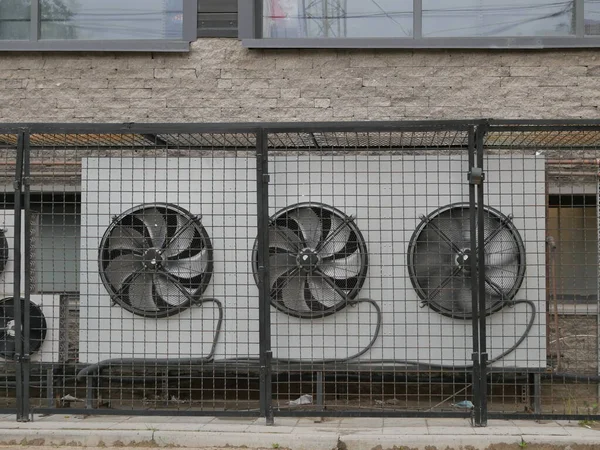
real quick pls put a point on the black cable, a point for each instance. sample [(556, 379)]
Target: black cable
[(210, 358), (470, 366), (97, 367), (357, 355)]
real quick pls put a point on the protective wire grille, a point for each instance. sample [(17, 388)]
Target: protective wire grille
[(317, 259), (439, 261), (348, 323), (8, 319)]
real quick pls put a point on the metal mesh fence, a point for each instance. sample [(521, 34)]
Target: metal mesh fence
[(564, 272), (348, 330), (394, 269), (8, 369), (140, 261)]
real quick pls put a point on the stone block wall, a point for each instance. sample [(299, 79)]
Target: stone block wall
[(220, 81)]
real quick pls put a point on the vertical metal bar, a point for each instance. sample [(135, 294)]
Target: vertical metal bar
[(417, 19), (17, 279), (190, 20), (262, 169), (537, 393), (481, 132), (247, 19), (34, 33), (320, 396), (26, 273), (474, 286), (50, 387), (258, 19), (89, 392), (579, 18), (597, 283)]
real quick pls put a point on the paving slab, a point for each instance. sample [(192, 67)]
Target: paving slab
[(292, 433)]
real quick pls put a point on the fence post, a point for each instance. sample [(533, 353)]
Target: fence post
[(262, 169), (27, 274), (476, 370), (476, 203), (17, 184), (483, 357)]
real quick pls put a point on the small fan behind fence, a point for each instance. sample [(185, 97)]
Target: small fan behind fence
[(156, 259), (8, 327)]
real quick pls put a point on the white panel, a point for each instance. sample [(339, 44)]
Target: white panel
[(387, 195), (217, 189)]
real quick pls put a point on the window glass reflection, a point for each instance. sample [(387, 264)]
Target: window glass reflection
[(111, 19), (488, 18), (337, 18), (15, 18), (592, 17)]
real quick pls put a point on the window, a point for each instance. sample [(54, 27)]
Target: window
[(420, 23), (132, 25)]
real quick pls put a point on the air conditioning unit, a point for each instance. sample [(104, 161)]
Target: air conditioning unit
[(44, 320), (7, 253), (369, 259)]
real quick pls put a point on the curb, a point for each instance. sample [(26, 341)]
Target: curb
[(272, 440)]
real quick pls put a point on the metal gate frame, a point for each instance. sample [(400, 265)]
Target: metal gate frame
[(477, 131)]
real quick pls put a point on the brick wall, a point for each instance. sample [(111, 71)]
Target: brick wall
[(221, 81)]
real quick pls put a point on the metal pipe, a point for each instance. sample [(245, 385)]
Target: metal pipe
[(582, 174), (560, 162), (40, 163)]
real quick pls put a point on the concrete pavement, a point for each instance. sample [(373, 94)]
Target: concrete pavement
[(293, 433)]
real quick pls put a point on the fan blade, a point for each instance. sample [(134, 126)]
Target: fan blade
[(323, 292), (168, 291), (432, 256), (156, 225), (285, 239), (502, 278), (184, 237), (429, 237), (279, 264), (292, 294), (461, 295), (465, 232), (343, 268), (501, 259), (140, 293), (125, 238), (7, 347), (189, 267), (121, 268), (310, 226), (336, 239)]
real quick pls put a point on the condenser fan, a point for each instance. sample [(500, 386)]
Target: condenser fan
[(440, 254), (156, 259), (37, 327), (317, 260), (3, 251)]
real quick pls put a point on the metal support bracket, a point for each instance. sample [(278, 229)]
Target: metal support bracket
[(476, 176)]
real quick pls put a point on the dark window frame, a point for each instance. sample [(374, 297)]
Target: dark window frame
[(190, 19), (250, 33)]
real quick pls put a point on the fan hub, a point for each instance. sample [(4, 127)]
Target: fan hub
[(463, 260), (308, 260), (10, 328), (152, 259)]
